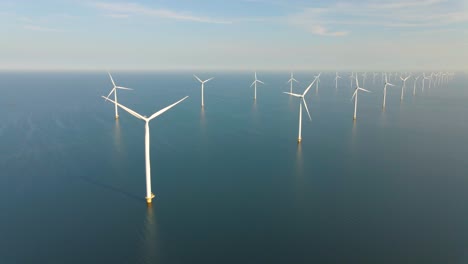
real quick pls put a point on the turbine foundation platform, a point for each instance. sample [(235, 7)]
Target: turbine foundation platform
[(299, 140), (149, 199)]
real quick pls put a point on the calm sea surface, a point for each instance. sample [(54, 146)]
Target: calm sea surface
[(231, 183)]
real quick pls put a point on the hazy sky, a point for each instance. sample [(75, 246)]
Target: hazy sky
[(237, 34)]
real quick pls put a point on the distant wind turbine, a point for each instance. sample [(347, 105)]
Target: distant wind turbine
[(415, 81), (355, 95), (403, 86), (385, 90), (291, 81), (299, 138), (114, 90), (149, 194), (317, 78), (255, 85), (202, 88), (336, 80), (423, 81)]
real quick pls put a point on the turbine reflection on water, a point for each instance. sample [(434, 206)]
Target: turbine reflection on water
[(150, 251)]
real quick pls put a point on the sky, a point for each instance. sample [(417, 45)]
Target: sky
[(367, 35)]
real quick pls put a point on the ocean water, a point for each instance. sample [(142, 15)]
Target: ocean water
[(231, 183)]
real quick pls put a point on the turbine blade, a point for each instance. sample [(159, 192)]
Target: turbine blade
[(113, 89), (307, 109), (197, 78), (354, 94), (293, 94), (260, 82), (253, 83), (208, 79), (123, 88), (130, 111), (310, 85), (112, 80), (362, 89), (165, 109)]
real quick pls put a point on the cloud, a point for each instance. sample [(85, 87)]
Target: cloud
[(137, 9), (320, 30), (39, 28), (310, 21), (409, 15), (117, 15), (406, 4)]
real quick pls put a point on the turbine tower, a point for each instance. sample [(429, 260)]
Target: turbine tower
[(385, 90), (336, 80), (255, 85), (423, 81), (114, 90), (299, 137), (355, 95), (202, 88), (149, 195), (403, 86), (415, 81), (317, 78), (291, 81)]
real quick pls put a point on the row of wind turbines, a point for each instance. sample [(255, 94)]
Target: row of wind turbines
[(440, 77)]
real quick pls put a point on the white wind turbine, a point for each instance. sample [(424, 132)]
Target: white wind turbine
[(403, 86), (317, 77), (299, 138), (355, 95), (255, 85), (291, 81), (336, 80), (114, 90), (385, 90), (415, 81), (149, 194), (202, 88), (423, 81)]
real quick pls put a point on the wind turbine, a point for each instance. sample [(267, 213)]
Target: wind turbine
[(415, 81), (403, 86), (336, 80), (424, 78), (149, 194), (114, 90), (255, 85), (202, 87), (355, 95), (317, 77), (299, 138), (385, 90), (351, 77), (291, 81)]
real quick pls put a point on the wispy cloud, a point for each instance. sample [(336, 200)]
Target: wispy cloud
[(39, 28), (118, 15), (416, 14), (123, 9)]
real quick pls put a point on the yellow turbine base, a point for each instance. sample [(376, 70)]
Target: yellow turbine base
[(149, 199), (299, 140), (116, 117)]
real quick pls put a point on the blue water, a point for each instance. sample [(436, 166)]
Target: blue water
[(231, 183)]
